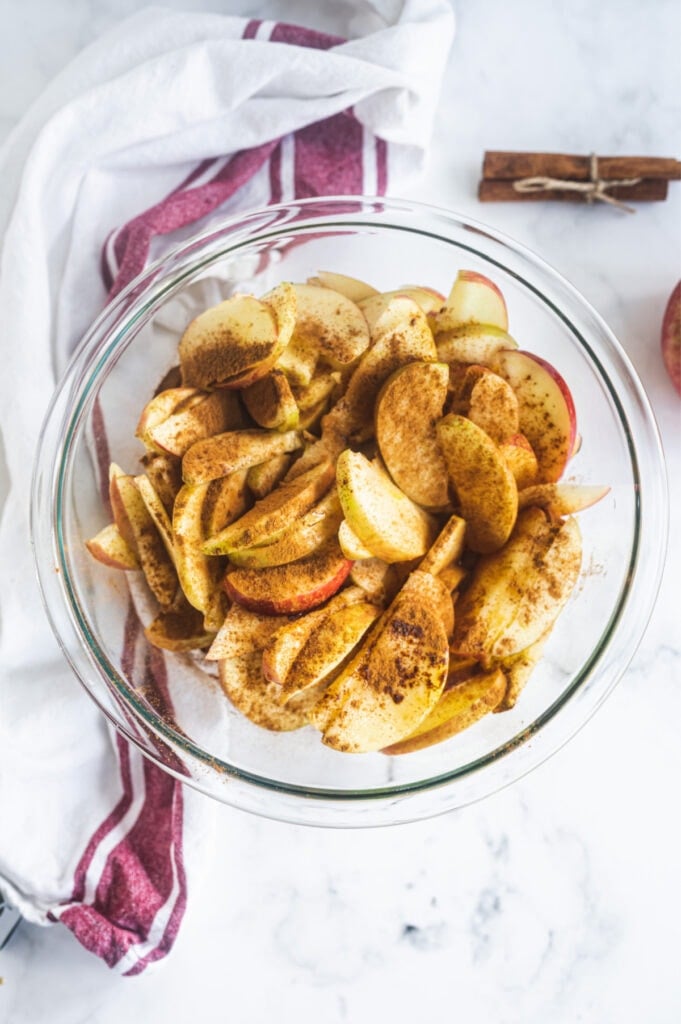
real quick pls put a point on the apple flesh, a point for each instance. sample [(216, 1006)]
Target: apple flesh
[(473, 343), (157, 511), (333, 322), (518, 669), (384, 519), (520, 459), (165, 474), (427, 299), (492, 404), (270, 402), (376, 578), (561, 499), (305, 535), (485, 487), (256, 698), (109, 548), (351, 545), (350, 287), (284, 589), (299, 360), (473, 299), (546, 410), (243, 632), (237, 449), (447, 547), (264, 477), (199, 575), (407, 409), (163, 405), (207, 415), (671, 337)]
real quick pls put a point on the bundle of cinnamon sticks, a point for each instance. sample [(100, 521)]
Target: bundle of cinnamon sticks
[(531, 177)]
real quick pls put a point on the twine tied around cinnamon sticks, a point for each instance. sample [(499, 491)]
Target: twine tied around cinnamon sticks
[(596, 189)]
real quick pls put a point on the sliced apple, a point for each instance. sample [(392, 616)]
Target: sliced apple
[(269, 519), (473, 343), (179, 628), (452, 577), (486, 489), (351, 545), (319, 389), (265, 477), (546, 410), (251, 694), (237, 449), (199, 575), (284, 646), (244, 632), (211, 414), (305, 535), (238, 341), (473, 299), (225, 500), (163, 405), (328, 647), (518, 669), (492, 404), (395, 678), (376, 578), (386, 521), (520, 459), (373, 307), (157, 511), (284, 589), (408, 406), (165, 473), (139, 532), (671, 337), (457, 709), (299, 360), (271, 403), (216, 612), (333, 322), (561, 499), (350, 287), (109, 548), (447, 547)]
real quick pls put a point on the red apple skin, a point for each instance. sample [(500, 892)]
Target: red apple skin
[(285, 602), (472, 275), (671, 337), (564, 390)]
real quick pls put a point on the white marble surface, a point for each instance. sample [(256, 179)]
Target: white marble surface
[(559, 899)]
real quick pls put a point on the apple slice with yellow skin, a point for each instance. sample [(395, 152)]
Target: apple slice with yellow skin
[(179, 628), (138, 530), (473, 343), (199, 575), (395, 678), (157, 511), (351, 545), (210, 414), (386, 521), (520, 459), (561, 499), (163, 405), (350, 287), (474, 299), (546, 410), (109, 548), (328, 647), (447, 547), (165, 473), (243, 632), (488, 604), (452, 577), (408, 406), (518, 669), (333, 322), (267, 475), (284, 589), (216, 612), (239, 340), (492, 404), (427, 299), (269, 518), (225, 501), (251, 694), (376, 578), (237, 449), (271, 403), (299, 360), (457, 709), (486, 489), (306, 535)]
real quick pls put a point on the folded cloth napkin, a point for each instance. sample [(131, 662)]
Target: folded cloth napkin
[(213, 113)]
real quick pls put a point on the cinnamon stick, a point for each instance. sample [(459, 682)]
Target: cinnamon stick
[(504, 166), (503, 192)]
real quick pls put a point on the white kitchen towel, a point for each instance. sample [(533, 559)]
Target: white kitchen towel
[(210, 112)]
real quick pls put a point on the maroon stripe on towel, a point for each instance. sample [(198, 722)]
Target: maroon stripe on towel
[(251, 28), (328, 157)]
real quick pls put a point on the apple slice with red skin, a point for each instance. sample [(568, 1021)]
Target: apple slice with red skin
[(284, 589), (109, 548), (209, 414), (671, 337), (350, 287), (236, 449), (520, 459), (546, 410), (561, 499), (333, 322), (472, 343), (473, 299), (306, 535)]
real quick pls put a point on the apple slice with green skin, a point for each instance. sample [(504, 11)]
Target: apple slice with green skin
[(251, 694), (163, 405), (351, 545), (546, 410), (243, 632), (486, 489), (671, 337), (284, 646), (157, 511), (109, 548), (561, 499), (199, 575), (165, 473), (395, 678), (447, 547), (408, 406), (492, 403), (473, 343), (225, 501), (271, 403), (333, 322), (179, 628), (386, 521), (265, 477), (210, 414), (488, 605), (238, 341), (458, 709), (350, 287), (138, 530), (473, 299), (299, 361), (237, 449), (520, 459), (518, 669), (427, 299), (328, 647), (284, 589), (306, 535), (271, 517)]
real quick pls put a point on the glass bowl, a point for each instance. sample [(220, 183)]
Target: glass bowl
[(173, 710)]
